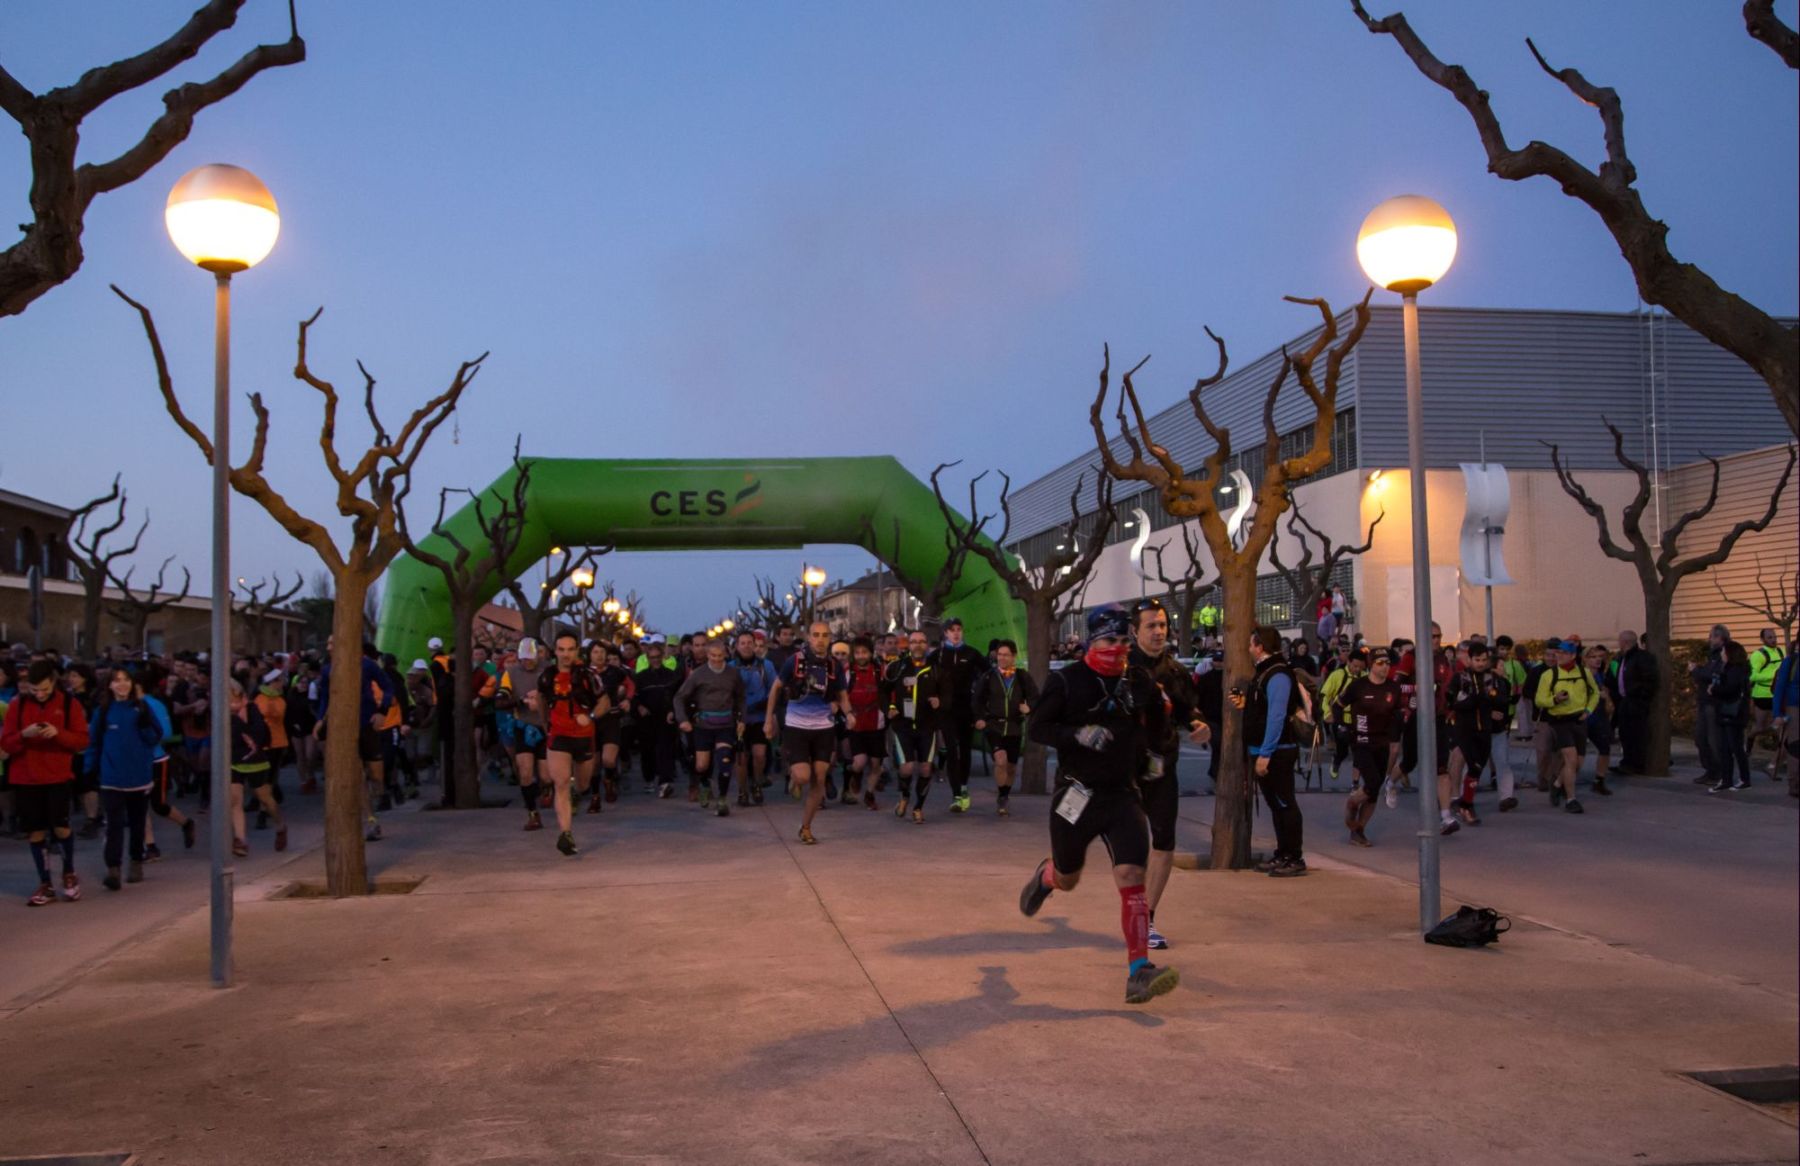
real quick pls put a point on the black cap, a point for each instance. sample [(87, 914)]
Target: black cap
[(952, 622)]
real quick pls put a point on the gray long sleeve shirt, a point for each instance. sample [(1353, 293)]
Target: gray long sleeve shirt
[(711, 699)]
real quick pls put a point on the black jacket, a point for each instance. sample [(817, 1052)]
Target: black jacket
[(1177, 685), (1128, 706), (1637, 669), (998, 705), (956, 670)]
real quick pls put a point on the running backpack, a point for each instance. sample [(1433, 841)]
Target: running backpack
[(1469, 927)]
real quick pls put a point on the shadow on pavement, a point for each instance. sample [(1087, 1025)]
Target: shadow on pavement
[(1057, 935)]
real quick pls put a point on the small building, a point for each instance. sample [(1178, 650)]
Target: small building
[(1498, 384), (871, 605)]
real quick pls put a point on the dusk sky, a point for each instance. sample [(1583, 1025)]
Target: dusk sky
[(744, 230)]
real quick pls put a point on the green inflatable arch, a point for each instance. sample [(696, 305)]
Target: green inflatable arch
[(751, 504)]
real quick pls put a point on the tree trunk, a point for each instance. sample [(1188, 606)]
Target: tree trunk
[(1040, 633), (1232, 811), (92, 584), (462, 716), (346, 865), (1656, 628)]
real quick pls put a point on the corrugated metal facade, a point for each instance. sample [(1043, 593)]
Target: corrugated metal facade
[(1746, 483), (1520, 377)]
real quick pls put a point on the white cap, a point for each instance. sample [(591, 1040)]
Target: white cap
[(272, 676), (655, 638), (434, 643), (420, 666), (527, 649)]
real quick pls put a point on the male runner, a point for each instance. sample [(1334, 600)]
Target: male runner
[(1566, 694), (1480, 703), (1375, 709), (759, 680), (814, 688), (710, 705), (656, 680), (1159, 787), (568, 695), (865, 688), (45, 730), (1269, 707), (530, 738), (609, 728), (911, 725), (956, 666), (1003, 699), (1101, 716)]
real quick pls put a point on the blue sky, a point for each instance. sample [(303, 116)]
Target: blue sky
[(712, 230)]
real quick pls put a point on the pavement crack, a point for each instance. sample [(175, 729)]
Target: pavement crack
[(879, 995)]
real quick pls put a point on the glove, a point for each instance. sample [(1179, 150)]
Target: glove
[(1095, 737)]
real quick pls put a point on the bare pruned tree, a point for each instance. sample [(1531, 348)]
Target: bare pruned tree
[(1195, 497), (931, 594), (1184, 587), (1690, 294), (775, 607), (259, 599), (369, 493), (93, 559), (1780, 606), (470, 572), (61, 190), (1655, 555), (541, 611), (1309, 580), (1048, 590), (135, 610)]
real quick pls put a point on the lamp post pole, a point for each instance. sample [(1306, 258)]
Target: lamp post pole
[(224, 870), (1424, 654)]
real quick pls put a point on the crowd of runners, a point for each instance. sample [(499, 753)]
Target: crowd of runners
[(875, 722)]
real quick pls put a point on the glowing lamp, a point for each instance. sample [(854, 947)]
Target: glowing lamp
[(222, 218), (1406, 244)]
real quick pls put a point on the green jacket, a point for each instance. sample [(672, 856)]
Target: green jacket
[(1764, 662)]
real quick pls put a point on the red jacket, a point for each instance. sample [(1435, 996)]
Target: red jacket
[(43, 760)]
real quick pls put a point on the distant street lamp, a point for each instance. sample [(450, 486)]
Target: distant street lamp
[(1406, 245), (224, 220)]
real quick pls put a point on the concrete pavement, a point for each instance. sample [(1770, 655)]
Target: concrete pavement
[(700, 990)]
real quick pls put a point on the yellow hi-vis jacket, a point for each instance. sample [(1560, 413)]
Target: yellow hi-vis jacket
[(1583, 694), (1764, 663)]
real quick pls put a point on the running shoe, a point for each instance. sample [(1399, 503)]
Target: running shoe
[(1157, 941), (1556, 795), (594, 804), (152, 853), (1268, 864), (665, 790), (960, 804), (1574, 807), (1466, 812), (756, 796), (1150, 981), (1507, 804), (1001, 811), (240, 848), (869, 800), (1359, 838), (111, 882), (919, 817), (900, 808), (806, 836), (1601, 788), (722, 810), (1723, 787), (1391, 795), (134, 873), (188, 831), (1734, 785), (1291, 868), (743, 800), (565, 842), (281, 838), (612, 790), (533, 822), (71, 888), (46, 894), (1035, 892), (1449, 828)]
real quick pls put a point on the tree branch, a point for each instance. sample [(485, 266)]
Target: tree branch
[(1762, 24)]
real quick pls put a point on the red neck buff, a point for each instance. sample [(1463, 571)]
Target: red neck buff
[(1108, 659)]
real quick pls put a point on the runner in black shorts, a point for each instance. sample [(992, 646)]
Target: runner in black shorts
[(1480, 704), (909, 724), (566, 696), (867, 742), (1003, 699), (530, 740), (1160, 785), (759, 679), (710, 705), (609, 726), (814, 688), (1100, 715), (1375, 707)]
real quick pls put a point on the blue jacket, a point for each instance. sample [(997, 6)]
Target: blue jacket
[(759, 678), (374, 680), (122, 740), (1787, 685)]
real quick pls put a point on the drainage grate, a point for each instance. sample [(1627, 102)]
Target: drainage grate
[(1775, 1089), (315, 889)]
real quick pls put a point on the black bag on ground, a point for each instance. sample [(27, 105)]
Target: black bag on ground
[(1469, 927)]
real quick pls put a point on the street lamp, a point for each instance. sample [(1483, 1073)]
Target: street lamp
[(1406, 245), (224, 220), (610, 606)]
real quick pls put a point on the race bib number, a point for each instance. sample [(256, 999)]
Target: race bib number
[(1074, 801)]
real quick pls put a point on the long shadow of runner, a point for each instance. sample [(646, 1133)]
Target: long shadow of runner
[(798, 1060), (1058, 934)]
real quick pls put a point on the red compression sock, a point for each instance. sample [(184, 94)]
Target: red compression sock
[(1134, 920)]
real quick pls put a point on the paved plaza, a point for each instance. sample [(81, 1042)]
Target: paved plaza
[(696, 990)]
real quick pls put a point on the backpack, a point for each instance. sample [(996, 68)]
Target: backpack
[(1469, 927)]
